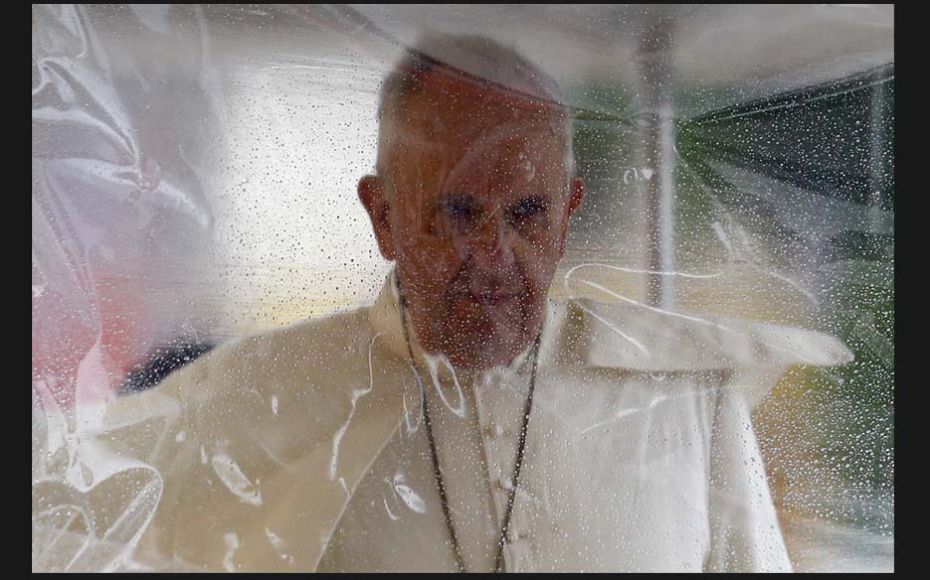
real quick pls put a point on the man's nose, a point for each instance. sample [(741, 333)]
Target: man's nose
[(491, 246)]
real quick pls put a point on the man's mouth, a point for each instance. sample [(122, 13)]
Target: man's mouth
[(492, 299)]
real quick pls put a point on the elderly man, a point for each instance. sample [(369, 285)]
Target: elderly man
[(466, 421)]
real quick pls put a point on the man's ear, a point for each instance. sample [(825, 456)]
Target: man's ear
[(574, 202), (371, 192), (577, 188)]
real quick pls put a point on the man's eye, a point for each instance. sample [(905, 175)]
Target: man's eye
[(460, 208), (528, 208), (461, 213)]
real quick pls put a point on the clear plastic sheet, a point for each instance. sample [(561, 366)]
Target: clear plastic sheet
[(232, 371)]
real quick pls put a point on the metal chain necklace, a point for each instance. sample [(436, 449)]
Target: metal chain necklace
[(437, 472)]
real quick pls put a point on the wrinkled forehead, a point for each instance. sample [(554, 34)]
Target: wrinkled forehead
[(462, 129)]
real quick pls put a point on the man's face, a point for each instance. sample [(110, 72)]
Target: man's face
[(478, 202)]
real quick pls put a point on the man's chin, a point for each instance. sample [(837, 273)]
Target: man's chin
[(479, 336)]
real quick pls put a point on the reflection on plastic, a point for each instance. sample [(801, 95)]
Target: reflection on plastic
[(194, 178)]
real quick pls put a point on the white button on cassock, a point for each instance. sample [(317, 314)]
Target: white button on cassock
[(504, 484)]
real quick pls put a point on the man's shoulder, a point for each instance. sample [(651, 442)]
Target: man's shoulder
[(321, 340), (298, 356), (274, 383), (642, 337)]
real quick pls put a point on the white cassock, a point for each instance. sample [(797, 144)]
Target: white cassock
[(305, 448)]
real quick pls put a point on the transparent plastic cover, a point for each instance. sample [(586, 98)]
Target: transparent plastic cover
[(462, 288)]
